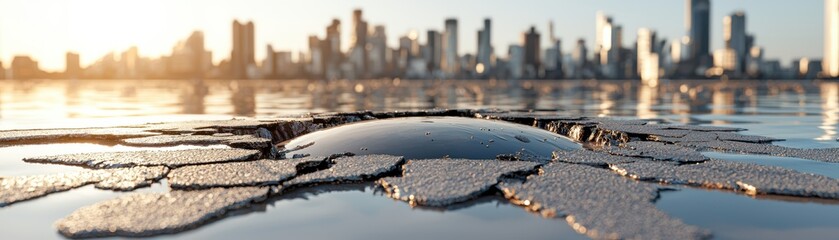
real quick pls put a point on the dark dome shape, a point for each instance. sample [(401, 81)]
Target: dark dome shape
[(433, 137)]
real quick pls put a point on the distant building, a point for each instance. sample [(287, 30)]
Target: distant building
[(579, 58), (754, 62), (647, 55), (2, 71), (242, 57), (552, 59), (809, 68), (610, 51), (378, 52), (188, 58), (698, 23), (515, 62), (358, 54), (434, 46), (485, 49), (72, 69), (450, 53), (331, 50), (284, 65), (734, 33), (314, 60), (532, 48), (23, 67), (831, 38), (601, 21), (726, 60)]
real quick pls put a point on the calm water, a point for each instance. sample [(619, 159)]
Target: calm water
[(806, 113)]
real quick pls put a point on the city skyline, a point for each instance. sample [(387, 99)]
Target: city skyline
[(506, 29)]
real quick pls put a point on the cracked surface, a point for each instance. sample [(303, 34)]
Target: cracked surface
[(575, 184), (589, 157), (750, 178), (441, 182), (604, 205), (149, 214), (171, 159), (21, 188), (657, 151), (251, 173), (822, 154), (240, 141), (350, 169), (70, 134)]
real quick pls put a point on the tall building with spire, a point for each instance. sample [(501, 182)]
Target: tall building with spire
[(831, 39), (242, 56)]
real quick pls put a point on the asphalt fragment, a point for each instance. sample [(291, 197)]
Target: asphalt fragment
[(599, 203), (239, 141), (750, 178), (21, 188), (238, 174), (657, 151), (349, 169), (592, 158), (817, 154), (172, 159), (149, 214), (442, 182), (42, 136)]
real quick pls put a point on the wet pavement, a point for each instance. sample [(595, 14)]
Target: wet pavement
[(594, 174)]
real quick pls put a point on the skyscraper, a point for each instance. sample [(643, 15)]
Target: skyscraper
[(579, 57), (72, 69), (645, 45), (552, 62), (530, 42), (331, 47), (450, 58), (359, 56), (314, 60), (515, 58), (435, 50), (484, 56), (242, 55), (647, 56), (601, 21), (378, 52), (734, 33), (698, 24), (831, 38), (610, 51)]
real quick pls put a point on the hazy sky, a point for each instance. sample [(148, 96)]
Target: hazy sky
[(46, 29)]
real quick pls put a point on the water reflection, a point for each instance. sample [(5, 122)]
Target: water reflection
[(680, 100)]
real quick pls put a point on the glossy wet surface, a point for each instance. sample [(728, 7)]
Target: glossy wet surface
[(806, 114), (434, 137), (357, 211)]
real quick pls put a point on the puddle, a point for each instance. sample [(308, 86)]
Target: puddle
[(798, 164), (358, 212), (34, 219), (12, 164), (733, 216), (434, 137)]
